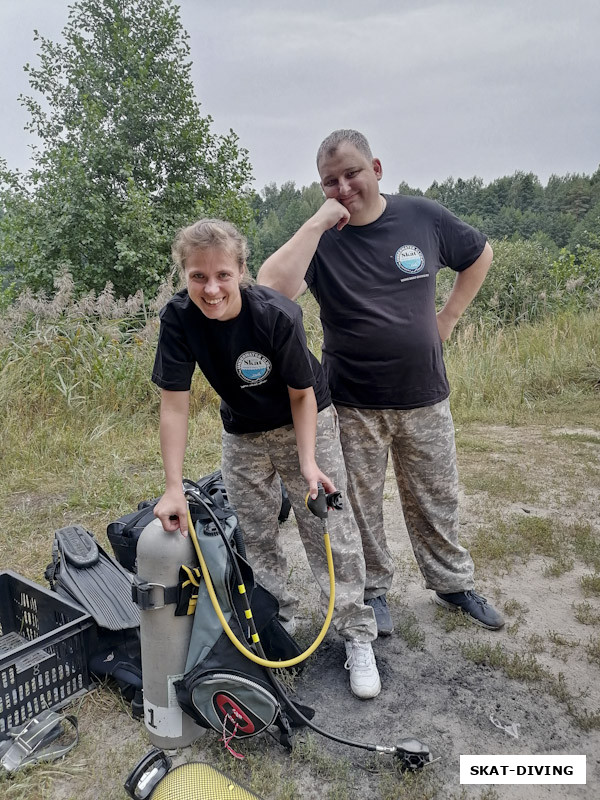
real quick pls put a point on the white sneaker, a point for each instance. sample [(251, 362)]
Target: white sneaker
[(360, 662)]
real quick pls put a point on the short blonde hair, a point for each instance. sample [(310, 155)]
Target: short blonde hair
[(211, 234)]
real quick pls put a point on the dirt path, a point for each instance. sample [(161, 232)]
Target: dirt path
[(436, 694)]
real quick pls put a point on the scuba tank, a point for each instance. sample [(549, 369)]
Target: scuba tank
[(210, 691), (164, 636)]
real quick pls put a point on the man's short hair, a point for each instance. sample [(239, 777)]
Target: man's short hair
[(329, 145)]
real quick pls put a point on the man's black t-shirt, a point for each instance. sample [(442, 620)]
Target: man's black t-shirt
[(375, 285), (249, 360)]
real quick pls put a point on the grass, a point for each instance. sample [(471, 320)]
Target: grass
[(593, 651), (519, 373), (407, 627), (591, 585), (512, 608), (519, 537), (562, 563), (586, 545), (502, 482), (585, 438), (527, 669), (452, 620), (560, 640), (536, 643), (586, 614), (395, 785), (309, 751)]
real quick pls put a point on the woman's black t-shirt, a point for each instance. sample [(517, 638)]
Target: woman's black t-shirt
[(249, 360)]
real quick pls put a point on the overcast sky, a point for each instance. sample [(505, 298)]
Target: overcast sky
[(470, 87)]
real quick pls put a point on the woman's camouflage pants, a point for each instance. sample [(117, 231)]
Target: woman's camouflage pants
[(251, 466)]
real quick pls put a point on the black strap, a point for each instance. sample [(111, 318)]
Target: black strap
[(153, 595)]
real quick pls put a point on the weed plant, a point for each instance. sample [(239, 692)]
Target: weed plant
[(526, 668), (586, 614), (527, 283), (407, 627), (80, 417), (591, 584), (516, 375), (521, 537), (593, 650)]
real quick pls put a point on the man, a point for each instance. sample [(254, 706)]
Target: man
[(371, 262)]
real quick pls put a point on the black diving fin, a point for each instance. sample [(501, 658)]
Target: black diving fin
[(82, 571)]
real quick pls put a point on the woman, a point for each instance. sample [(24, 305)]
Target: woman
[(250, 344)]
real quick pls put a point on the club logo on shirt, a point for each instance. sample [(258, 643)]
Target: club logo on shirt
[(253, 368), (409, 259)]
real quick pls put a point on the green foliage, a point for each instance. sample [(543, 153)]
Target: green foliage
[(408, 629), (517, 285), (519, 206), (90, 355), (126, 158), (459, 196), (591, 584), (587, 231), (279, 214), (68, 362), (404, 188), (527, 281), (577, 278), (586, 614)]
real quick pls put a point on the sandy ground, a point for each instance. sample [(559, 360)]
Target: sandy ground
[(443, 699), (433, 692)]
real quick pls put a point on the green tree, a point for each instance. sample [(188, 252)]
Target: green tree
[(279, 214), (526, 192), (313, 196), (125, 156), (404, 188), (587, 231)]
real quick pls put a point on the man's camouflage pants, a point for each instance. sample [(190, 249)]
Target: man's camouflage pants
[(421, 441), (251, 466)]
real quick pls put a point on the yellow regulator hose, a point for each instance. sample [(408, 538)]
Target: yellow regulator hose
[(291, 662)]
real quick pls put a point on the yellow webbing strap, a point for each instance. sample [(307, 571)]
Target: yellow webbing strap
[(193, 580)]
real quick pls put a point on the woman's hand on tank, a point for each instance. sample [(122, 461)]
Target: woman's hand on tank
[(171, 510)]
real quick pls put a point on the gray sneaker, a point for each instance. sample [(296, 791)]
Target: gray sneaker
[(385, 626), (475, 607)]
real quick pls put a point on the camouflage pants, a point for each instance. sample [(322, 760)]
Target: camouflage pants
[(251, 466), (421, 441)]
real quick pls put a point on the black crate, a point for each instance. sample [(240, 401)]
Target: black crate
[(43, 650)]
